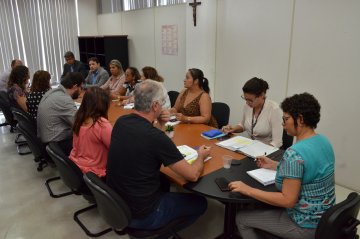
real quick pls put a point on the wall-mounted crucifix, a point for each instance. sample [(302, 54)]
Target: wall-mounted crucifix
[(194, 5)]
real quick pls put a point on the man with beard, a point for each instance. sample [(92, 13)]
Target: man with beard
[(56, 112)]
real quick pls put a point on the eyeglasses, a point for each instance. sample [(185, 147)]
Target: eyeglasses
[(248, 100), (285, 118), (161, 102)]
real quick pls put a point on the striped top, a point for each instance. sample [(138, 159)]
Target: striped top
[(312, 161)]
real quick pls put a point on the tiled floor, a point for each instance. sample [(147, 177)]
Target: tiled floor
[(27, 210)]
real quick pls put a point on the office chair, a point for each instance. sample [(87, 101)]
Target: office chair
[(5, 108), (72, 177), (27, 127), (221, 112), (338, 222), (116, 212), (173, 96), (287, 140)]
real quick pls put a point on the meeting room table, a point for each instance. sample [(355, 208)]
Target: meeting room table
[(190, 135)]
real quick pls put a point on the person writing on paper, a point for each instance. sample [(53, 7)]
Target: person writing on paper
[(261, 117), (304, 178), (193, 105), (92, 132), (137, 151)]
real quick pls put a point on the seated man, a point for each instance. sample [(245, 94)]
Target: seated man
[(56, 112), (73, 65), (137, 151), (4, 77), (97, 75)]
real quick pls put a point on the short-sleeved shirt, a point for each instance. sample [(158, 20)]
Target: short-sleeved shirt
[(311, 161), (33, 101), (137, 151), (90, 147)]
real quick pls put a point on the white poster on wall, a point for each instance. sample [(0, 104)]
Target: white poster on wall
[(169, 36)]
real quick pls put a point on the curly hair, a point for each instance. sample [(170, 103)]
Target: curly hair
[(40, 81), (304, 105), (18, 76), (255, 86)]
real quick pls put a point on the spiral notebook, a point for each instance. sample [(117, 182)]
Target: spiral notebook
[(263, 175)]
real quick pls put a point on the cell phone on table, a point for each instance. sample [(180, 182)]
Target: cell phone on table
[(225, 137), (223, 184)]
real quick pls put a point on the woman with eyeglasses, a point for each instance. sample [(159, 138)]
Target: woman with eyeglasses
[(261, 117), (193, 105), (304, 178)]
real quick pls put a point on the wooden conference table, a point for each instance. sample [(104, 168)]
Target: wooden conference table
[(189, 134)]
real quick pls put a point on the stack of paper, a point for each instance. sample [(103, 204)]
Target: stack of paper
[(249, 147), (189, 154), (263, 175)]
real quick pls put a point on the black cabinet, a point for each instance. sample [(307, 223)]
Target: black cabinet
[(105, 48)]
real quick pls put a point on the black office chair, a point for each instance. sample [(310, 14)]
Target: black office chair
[(117, 214), (27, 127), (221, 112), (5, 108), (22, 146), (287, 140), (173, 96), (72, 177), (338, 222)]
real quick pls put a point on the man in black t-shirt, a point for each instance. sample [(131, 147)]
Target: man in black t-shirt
[(137, 151)]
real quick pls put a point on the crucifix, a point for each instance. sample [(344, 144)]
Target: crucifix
[(194, 5)]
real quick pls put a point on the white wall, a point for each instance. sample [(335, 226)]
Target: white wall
[(325, 61), (87, 12), (143, 28), (201, 41), (253, 39)]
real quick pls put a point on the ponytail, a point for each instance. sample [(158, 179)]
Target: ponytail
[(199, 75)]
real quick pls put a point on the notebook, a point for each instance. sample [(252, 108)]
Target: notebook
[(212, 134), (189, 154), (263, 175), (249, 147)]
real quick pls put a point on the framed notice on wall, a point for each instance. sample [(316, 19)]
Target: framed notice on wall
[(169, 43)]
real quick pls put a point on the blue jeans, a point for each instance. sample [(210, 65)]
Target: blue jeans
[(172, 206)]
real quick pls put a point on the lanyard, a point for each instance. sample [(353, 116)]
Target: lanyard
[(256, 120)]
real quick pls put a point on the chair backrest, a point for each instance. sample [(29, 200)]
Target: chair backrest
[(21, 115), (111, 206), (69, 172), (173, 96), (221, 112), (340, 220), (287, 140), (5, 107), (36, 146)]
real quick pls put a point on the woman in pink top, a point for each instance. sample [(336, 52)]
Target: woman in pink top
[(117, 79), (92, 132)]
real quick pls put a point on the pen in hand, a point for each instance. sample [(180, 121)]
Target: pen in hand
[(256, 158)]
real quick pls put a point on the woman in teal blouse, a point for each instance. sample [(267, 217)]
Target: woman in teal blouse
[(304, 178)]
